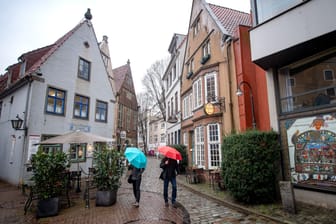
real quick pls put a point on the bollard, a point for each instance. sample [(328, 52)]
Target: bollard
[(87, 194)]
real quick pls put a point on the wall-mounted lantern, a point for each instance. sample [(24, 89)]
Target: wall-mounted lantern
[(17, 124)]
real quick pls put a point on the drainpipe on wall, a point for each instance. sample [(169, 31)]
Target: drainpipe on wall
[(228, 41), (25, 142)]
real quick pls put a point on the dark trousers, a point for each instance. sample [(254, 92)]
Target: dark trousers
[(165, 189), (136, 189)]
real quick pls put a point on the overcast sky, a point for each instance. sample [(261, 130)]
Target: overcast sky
[(137, 30)]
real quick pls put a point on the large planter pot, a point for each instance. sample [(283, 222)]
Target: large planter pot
[(106, 198), (47, 207)]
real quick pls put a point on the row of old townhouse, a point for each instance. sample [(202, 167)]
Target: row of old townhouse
[(273, 69), (206, 68), (67, 86)]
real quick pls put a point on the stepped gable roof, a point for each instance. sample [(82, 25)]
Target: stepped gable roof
[(230, 18), (34, 59), (120, 75)]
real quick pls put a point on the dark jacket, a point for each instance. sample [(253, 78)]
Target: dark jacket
[(171, 169), (136, 172)]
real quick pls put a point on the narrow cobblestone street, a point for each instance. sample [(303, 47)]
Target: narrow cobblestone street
[(193, 206), (200, 208)]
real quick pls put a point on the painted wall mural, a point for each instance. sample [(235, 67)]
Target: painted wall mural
[(312, 150)]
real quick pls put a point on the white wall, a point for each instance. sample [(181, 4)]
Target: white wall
[(310, 20)]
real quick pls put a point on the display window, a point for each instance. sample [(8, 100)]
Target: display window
[(312, 150)]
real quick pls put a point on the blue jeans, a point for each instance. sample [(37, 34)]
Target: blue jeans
[(136, 189), (165, 189)]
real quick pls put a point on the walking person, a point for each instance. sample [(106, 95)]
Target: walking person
[(136, 174), (171, 170)]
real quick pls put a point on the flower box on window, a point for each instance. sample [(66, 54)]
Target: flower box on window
[(205, 59), (189, 75)]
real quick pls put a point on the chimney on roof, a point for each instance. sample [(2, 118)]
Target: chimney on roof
[(88, 14), (128, 61)]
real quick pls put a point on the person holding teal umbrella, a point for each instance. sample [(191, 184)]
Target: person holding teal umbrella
[(138, 162)]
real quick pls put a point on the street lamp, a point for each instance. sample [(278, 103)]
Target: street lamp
[(17, 124), (240, 93)]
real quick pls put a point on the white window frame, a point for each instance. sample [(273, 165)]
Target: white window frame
[(206, 49), (215, 97), (197, 93), (214, 146), (199, 147), (187, 104)]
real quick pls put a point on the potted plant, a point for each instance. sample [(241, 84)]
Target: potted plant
[(108, 169), (49, 180)]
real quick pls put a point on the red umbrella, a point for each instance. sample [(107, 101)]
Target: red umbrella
[(170, 152)]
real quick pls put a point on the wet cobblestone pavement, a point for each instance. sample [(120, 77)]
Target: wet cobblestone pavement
[(196, 204)]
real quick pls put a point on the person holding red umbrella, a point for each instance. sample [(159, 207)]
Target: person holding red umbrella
[(171, 170)]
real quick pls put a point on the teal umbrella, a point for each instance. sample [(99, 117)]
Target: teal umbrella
[(136, 157)]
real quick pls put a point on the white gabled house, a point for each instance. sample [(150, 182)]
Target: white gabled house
[(56, 89)]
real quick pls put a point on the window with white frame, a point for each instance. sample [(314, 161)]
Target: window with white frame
[(196, 27), (214, 145), (176, 102), (168, 109), (174, 72), (211, 87), (206, 49), (162, 138), (199, 146), (197, 93), (187, 105), (191, 66), (205, 53), (185, 138), (172, 106)]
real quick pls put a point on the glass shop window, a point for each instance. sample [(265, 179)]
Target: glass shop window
[(309, 85)]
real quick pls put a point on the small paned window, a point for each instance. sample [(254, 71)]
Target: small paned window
[(55, 101), (291, 82), (211, 87), (328, 75), (84, 69), (101, 111), (81, 107), (78, 152)]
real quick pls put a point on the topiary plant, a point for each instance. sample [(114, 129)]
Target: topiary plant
[(108, 169), (48, 173), (251, 165)]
